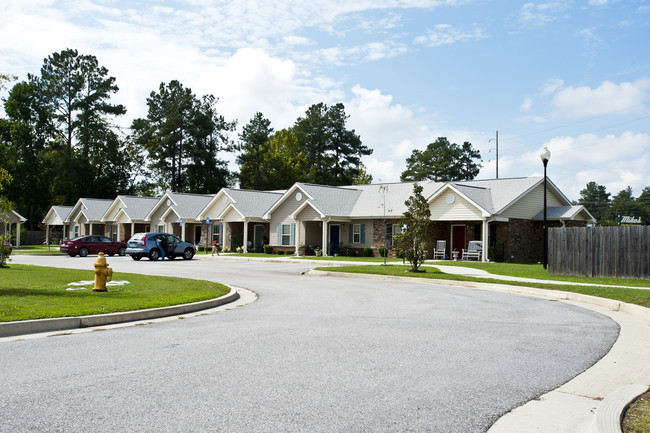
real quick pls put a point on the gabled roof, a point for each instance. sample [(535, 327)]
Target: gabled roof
[(251, 203), (134, 207), (12, 217), (58, 214), (186, 206), (564, 213), (389, 197), (92, 208)]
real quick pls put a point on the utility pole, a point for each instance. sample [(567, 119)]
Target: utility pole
[(497, 154)]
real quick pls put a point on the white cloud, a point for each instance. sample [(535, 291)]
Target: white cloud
[(527, 104), (541, 13), (615, 161), (444, 34), (607, 98)]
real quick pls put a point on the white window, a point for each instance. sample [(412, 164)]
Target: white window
[(114, 232), (216, 233), (356, 233), (76, 231), (161, 228), (286, 234)]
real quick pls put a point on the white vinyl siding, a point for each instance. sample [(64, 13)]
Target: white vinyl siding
[(459, 210), (532, 203)]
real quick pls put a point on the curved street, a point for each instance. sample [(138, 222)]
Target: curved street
[(313, 354)]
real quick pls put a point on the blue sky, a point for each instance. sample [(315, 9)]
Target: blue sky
[(570, 75)]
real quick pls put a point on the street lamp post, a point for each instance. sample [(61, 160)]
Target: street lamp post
[(545, 155)]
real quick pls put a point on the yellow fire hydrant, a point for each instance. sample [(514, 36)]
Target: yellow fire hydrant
[(102, 272)]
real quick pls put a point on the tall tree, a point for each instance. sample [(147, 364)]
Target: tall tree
[(253, 157), (24, 151), (332, 151), (76, 91), (178, 134), (595, 199), (623, 204), (442, 161), (285, 162), (416, 219)]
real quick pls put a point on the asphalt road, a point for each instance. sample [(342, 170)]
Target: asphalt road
[(312, 354)]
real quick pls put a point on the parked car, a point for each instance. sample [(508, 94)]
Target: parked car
[(145, 245), (92, 244)]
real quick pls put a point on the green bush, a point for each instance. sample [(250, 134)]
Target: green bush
[(399, 254), (352, 253), (280, 252), (268, 249), (383, 251), (367, 252)]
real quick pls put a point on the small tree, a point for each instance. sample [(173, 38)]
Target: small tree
[(415, 220), (5, 207)]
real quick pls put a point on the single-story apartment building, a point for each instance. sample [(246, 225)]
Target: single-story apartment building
[(10, 223), (505, 214)]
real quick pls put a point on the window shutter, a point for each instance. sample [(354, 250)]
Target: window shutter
[(279, 234), (293, 234), (350, 233), (389, 235), (363, 233)]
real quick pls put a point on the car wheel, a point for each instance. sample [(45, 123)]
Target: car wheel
[(188, 254), (136, 257), (83, 252), (154, 255), (121, 251)]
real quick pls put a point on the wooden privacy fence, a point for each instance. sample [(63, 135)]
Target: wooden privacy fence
[(622, 252)]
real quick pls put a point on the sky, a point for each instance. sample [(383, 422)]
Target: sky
[(570, 75)]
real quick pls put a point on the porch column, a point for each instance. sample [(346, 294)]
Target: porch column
[(183, 231), (132, 229), (18, 234), (325, 247), (245, 246), (484, 237), (297, 239), (47, 234), (224, 234)]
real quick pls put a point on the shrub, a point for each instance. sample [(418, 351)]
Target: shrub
[(280, 252), (383, 251), (268, 249), (352, 253), (367, 252), (399, 254)]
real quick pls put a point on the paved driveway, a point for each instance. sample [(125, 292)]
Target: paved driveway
[(312, 354)]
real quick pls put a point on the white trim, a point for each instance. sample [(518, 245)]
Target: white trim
[(287, 194), (435, 195), (302, 207)]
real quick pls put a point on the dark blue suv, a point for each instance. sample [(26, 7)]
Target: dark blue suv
[(151, 244)]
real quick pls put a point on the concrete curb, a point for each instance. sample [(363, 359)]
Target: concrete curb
[(593, 401), (9, 329)]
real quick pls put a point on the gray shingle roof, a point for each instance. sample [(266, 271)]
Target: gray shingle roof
[(62, 211), (560, 212), (189, 206), (137, 208), (251, 203), (371, 200), (94, 208), (331, 200)]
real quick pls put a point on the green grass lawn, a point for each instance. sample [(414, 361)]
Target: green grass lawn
[(37, 249), (538, 272), (632, 296), (37, 292)]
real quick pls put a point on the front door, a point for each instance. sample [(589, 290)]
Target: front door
[(458, 238), (197, 235), (258, 236), (334, 239)]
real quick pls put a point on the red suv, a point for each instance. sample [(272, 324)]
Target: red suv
[(92, 244)]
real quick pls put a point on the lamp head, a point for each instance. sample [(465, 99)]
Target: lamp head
[(545, 155)]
